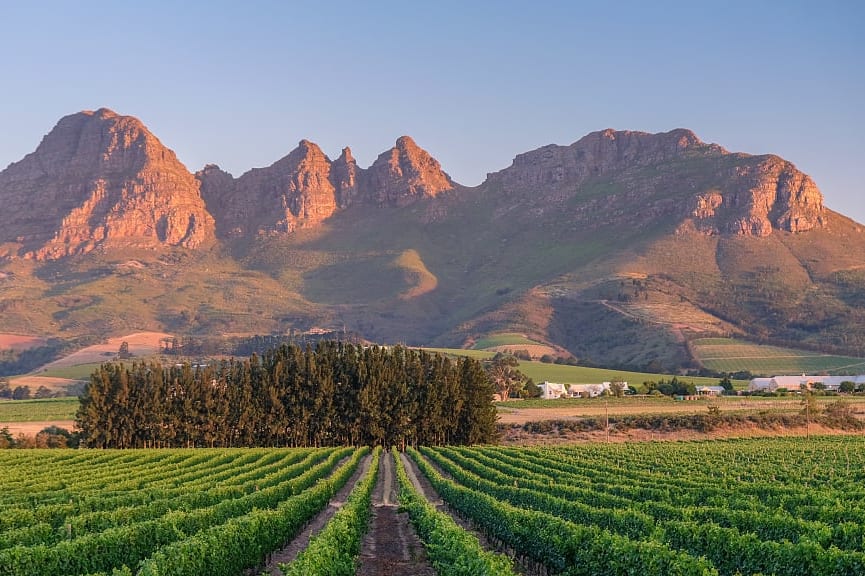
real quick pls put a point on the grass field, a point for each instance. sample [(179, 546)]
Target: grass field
[(566, 374), (539, 371), (476, 354), (731, 355), (503, 339), (38, 410), (78, 372)]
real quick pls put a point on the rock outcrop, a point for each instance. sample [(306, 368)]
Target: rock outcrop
[(346, 178), (405, 173), (306, 187), (100, 179), (642, 176), (758, 195), (594, 155), (292, 192)]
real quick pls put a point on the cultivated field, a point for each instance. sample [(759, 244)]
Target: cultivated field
[(767, 506), (730, 355), (195, 512), (511, 342), (535, 410), (784, 506), (47, 409)]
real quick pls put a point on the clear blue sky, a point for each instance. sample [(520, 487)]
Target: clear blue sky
[(475, 83)]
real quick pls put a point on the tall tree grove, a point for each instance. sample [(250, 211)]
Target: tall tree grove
[(334, 394)]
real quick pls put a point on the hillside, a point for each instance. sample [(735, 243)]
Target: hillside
[(618, 248)]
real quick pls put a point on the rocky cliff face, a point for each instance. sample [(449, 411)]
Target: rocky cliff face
[(292, 192), (405, 173), (646, 174), (100, 179), (594, 155), (758, 195), (306, 187)]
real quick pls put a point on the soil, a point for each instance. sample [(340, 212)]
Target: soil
[(140, 344), (391, 547), (31, 429), (18, 342), (301, 541), (509, 415), (519, 437), (36, 382)]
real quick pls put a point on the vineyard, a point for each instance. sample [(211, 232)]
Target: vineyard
[(790, 506), (730, 355), (782, 506), (159, 512)]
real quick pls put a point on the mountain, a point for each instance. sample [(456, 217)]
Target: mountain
[(100, 179), (618, 248)]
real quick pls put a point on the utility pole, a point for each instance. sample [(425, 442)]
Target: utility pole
[(607, 415)]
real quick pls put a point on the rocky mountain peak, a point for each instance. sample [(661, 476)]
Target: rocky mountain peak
[(346, 178), (292, 192), (346, 156), (100, 178), (406, 172)]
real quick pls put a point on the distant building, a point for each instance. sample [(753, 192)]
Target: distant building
[(554, 390), (710, 390), (796, 383)]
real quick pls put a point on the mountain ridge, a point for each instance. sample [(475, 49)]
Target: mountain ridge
[(616, 247)]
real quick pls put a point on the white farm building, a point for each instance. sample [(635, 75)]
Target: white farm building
[(554, 390), (795, 383)]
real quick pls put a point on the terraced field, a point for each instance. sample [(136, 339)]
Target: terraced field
[(730, 355)]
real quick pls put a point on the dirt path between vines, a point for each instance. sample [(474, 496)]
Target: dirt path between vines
[(301, 541), (391, 546), (422, 484)]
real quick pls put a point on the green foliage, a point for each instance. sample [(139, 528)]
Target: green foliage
[(671, 387), (163, 512), (503, 372), (335, 394), (774, 506), (562, 545)]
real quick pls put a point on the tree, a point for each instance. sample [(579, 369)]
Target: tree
[(505, 375), (44, 392), (617, 388), (726, 384), (335, 394), (21, 393), (123, 353), (530, 389), (847, 387)]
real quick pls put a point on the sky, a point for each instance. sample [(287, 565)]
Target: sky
[(239, 84)]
